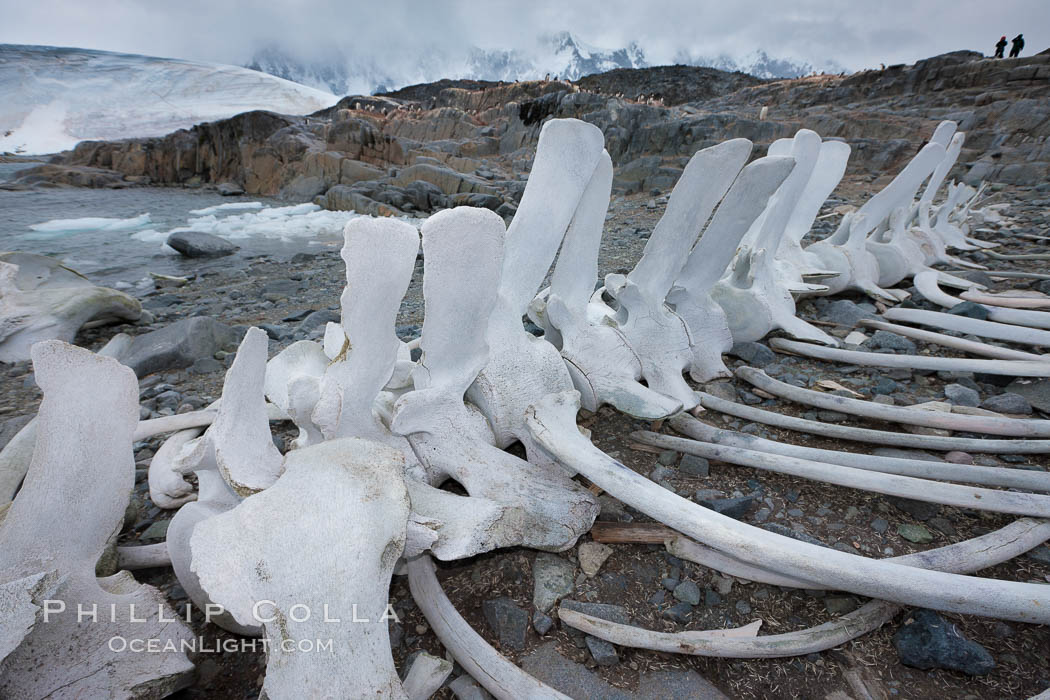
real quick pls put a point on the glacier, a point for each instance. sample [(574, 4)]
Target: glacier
[(55, 97)]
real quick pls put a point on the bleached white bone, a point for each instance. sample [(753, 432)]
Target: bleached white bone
[(845, 252), (902, 252), (425, 676), (927, 284), (658, 335), (244, 450), (514, 502), (42, 299), (521, 367), (964, 557), (973, 326), (498, 675), (145, 556), (988, 425), (950, 341), (215, 497), (167, 487), (879, 437), (293, 384), (1008, 368), (81, 477), (603, 366), (921, 468), (877, 579), (690, 297), (323, 539), (1010, 300)]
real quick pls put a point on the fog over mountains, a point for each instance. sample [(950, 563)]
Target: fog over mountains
[(561, 54)]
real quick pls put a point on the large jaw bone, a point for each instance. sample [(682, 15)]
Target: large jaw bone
[(520, 367), (380, 257), (603, 366), (691, 295), (512, 502), (901, 584), (927, 284), (41, 299), (81, 477), (324, 538), (659, 336)]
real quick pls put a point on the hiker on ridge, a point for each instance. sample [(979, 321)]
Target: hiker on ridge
[(1000, 47), (1018, 44)]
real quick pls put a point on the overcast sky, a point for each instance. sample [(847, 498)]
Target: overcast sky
[(855, 34)]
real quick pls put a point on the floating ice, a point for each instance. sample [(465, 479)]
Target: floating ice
[(91, 223), (232, 206), (285, 223)]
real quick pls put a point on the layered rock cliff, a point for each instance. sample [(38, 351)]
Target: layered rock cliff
[(429, 147)]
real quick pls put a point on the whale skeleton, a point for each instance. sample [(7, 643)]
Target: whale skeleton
[(380, 434)]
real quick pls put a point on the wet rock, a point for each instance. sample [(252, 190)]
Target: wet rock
[(960, 395), (1008, 402), (885, 340), (845, 313), (970, 310), (914, 533), (552, 579), (687, 592), (229, 189), (179, 345), (755, 354), (1036, 391), (197, 244), (680, 612), (508, 621), (930, 641), (694, 466)]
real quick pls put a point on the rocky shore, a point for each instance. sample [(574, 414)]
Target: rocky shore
[(508, 596)]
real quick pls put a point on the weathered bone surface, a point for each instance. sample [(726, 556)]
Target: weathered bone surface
[(690, 297), (950, 341), (492, 670), (520, 367), (927, 284), (659, 336), (1009, 368), (325, 536), (1035, 505), (827, 173), (603, 366), (924, 469), (1010, 300), (1010, 427), (512, 502), (426, 676), (293, 384), (973, 326), (42, 299), (244, 449), (81, 475), (167, 487), (145, 556), (879, 437), (877, 579)]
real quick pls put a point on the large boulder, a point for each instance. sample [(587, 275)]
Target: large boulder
[(179, 345), (197, 244)]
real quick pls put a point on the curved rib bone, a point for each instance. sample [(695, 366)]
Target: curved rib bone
[(1009, 368), (926, 283), (81, 476), (877, 579), (879, 437), (960, 496), (533, 504), (658, 335), (973, 326), (988, 425), (492, 670), (921, 468), (690, 297), (1015, 301), (951, 341)]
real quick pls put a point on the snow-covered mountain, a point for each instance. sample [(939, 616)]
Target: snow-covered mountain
[(53, 97), (561, 54)]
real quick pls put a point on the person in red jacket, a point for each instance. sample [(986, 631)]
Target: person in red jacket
[(1000, 47)]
